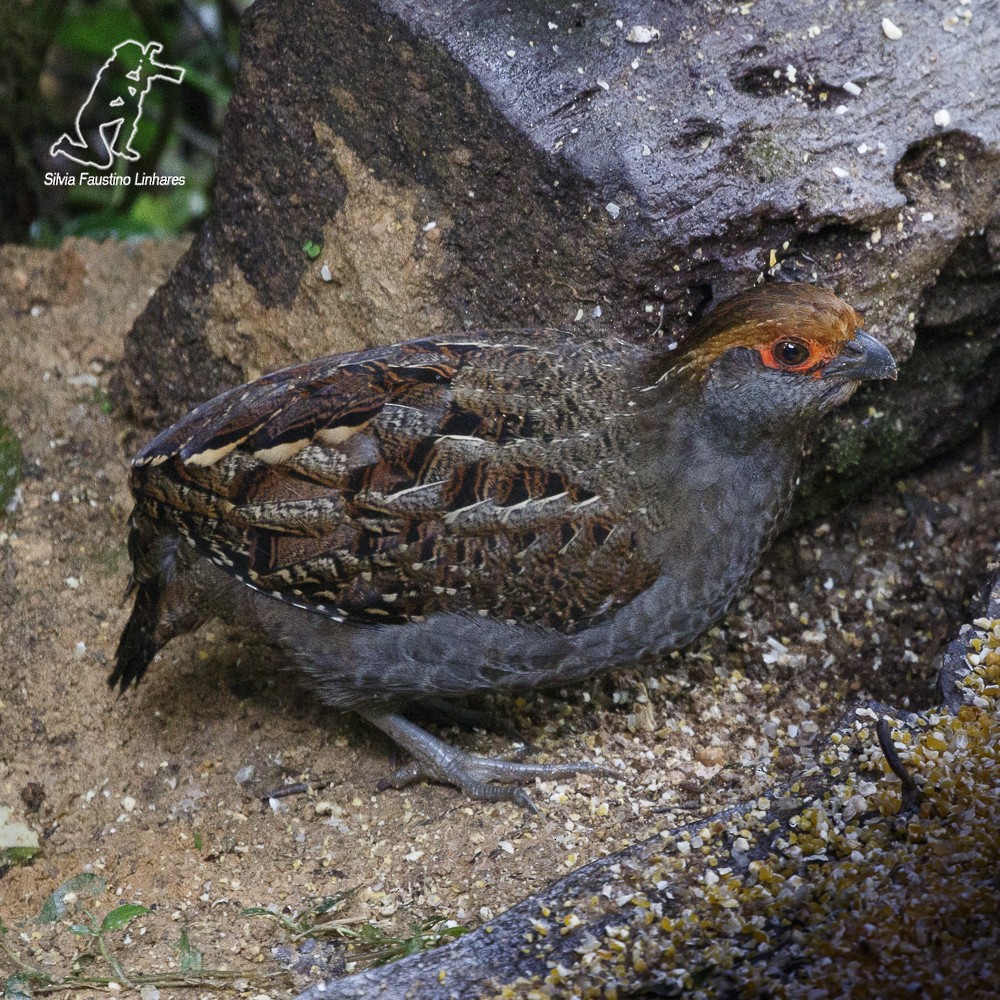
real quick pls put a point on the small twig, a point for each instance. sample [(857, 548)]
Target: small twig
[(116, 967), (299, 788), (207, 977), (331, 926), (911, 793), (576, 294)]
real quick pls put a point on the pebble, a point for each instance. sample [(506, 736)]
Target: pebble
[(892, 31), (710, 756), (640, 34)]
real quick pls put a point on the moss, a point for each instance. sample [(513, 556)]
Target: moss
[(10, 465)]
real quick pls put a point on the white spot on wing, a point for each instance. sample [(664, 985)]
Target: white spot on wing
[(281, 452), (211, 455), (337, 435)]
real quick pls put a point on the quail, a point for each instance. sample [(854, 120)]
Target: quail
[(465, 514)]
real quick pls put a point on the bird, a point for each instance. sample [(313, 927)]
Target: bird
[(473, 513)]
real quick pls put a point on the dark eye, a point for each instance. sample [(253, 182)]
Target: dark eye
[(791, 353)]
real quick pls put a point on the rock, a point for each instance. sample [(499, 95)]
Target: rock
[(456, 166)]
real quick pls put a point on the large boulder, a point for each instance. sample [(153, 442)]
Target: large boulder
[(467, 166)]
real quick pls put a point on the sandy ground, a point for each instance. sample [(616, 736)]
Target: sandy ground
[(163, 793)]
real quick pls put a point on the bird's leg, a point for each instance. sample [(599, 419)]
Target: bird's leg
[(446, 712), (479, 777)]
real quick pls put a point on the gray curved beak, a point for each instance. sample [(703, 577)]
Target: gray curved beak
[(862, 358)]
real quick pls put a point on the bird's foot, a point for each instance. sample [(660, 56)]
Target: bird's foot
[(485, 778)]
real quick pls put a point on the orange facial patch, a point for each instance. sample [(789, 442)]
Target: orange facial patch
[(771, 316)]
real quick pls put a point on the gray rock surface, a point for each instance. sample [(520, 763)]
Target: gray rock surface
[(620, 169)]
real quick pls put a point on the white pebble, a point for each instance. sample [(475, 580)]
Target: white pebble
[(613, 210), (72, 582), (852, 88), (79, 650), (942, 118), (840, 173), (324, 273), (430, 225), (927, 217), (892, 31), (641, 34)]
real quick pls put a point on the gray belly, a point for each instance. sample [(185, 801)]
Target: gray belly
[(448, 653)]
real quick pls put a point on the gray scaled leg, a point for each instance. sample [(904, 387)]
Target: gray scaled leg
[(479, 777)]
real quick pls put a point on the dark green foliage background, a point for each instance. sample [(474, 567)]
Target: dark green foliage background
[(50, 53)]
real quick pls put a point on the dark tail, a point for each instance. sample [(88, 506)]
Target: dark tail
[(137, 647)]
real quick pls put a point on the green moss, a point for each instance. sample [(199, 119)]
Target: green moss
[(10, 465)]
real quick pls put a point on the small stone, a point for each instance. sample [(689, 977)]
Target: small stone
[(640, 34), (892, 31), (710, 756), (942, 118)]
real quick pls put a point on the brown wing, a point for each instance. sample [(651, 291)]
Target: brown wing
[(389, 484)]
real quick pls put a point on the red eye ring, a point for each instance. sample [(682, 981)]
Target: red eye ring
[(788, 354)]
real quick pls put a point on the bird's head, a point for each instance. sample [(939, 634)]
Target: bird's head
[(778, 356)]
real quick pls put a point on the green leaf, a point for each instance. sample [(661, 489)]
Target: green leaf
[(16, 855), (17, 988), (121, 915), (190, 957), (197, 841), (81, 930), (102, 400), (55, 907), (96, 30), (208, 85), (312, 250)]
